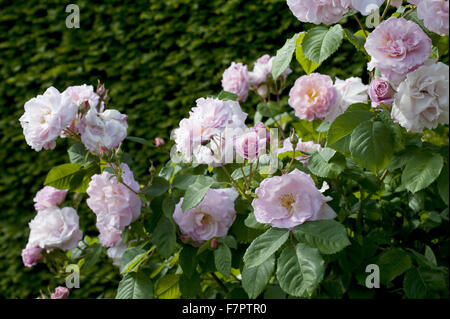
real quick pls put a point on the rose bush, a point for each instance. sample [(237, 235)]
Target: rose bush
[(238, 198)]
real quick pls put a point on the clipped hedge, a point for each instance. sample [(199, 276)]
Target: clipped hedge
[(156, 57)]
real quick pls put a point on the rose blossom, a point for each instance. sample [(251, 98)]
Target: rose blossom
[(397, 46), (434, 14), (60, 293), (366, 7), (350, 91), (159, 142), (261, 70), (381, 92), (49, 196), (396, 3), (211, 218), (312, 96), (290, 200), (83, 93), (102, 130), (55, 228), (31, 256), (422, 100), (235, 79), (115, 205), (319, 11), (308, 146), (45, 117), (247, 145)]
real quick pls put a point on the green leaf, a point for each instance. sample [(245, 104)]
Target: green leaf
[(255, 279), (321, 164), (429, 255), (131, 258), (184, 181), (393, 262), (222, 259), (320, 42), (158, 187), (79, 155), (135, 286), (92, 254), (284, 56), (443, 184), (371, 145), (422, 169), (164, 237), (139, 140), (300, 270), (420, 283), (60, 176), (188, 260), (80, 181), (196, 192), (225, 96), (190, 287), (307, 65), (251, 222), (265, 246), (269, 109), (357, 40), (395, 128), (328, 236), (339, 132), (168, 287)]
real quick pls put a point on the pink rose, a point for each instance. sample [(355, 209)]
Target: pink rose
[(45, 117), (396, 3), (381, 92), (319, 11), (31, 256), (49, 196), (312, 96), (247, 145), (211, 218), (261, 70), (308, 147), (102, 130), (434, 14), (290, 200), (60, 293), (83, 93), (397, 46), (235, 79), (115, 205), (55, 228), (159, 142)]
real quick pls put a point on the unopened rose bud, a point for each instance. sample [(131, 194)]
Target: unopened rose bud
[(262, 91), (214, 243), (293, 138), (159, 142), (60, 293), (101, 89), (381, 92), (184, 238)]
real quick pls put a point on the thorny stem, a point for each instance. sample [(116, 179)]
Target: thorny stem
[(385, 10)]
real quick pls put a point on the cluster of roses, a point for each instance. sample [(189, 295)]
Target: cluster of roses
[(79, 113), (434, 13)]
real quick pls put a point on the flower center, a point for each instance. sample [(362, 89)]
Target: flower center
[(312, 95), (206, 219), (287, 201)]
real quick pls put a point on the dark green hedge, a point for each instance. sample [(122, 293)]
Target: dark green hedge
[(156, 57)]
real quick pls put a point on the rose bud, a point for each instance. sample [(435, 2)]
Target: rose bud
[(381, 92)]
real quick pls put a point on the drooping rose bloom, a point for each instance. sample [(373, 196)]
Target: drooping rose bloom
[(434, 14), (350, 91), (422, 100), (261, 70), (365, 7), (312, 96), (290, 200), (55, 228), (381, 92), (397, 46), (102, 130), (31, 256), (211, 218), (49, 196), (308, 146), (319, 11), (60, 293), (83, 93), (45, 117), (115, 205), (235, 79)]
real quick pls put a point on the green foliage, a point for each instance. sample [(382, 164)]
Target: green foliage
[(265, 246), (255, 279), (320, 43)]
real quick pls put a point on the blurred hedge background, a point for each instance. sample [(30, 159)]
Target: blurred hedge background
[(156, 57)]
